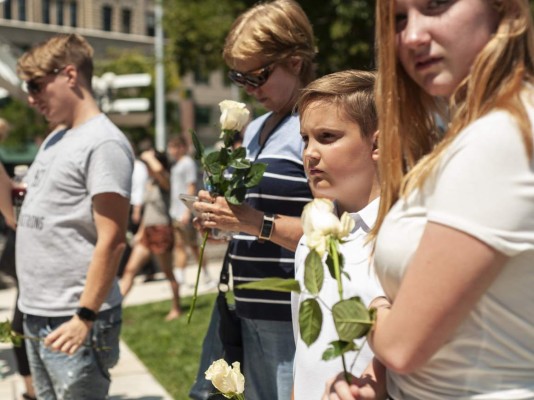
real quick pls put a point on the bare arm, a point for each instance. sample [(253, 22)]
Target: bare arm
[(6, 206), (287, 230), (159, 172), (447, 276), (111, 215)]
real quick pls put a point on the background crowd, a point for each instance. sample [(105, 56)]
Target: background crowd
[(430, 156)]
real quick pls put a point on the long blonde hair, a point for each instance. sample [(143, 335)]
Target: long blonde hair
[(409, 141)]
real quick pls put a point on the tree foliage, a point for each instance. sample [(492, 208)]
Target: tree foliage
[(25, 123), (196, 31), (343, 30)]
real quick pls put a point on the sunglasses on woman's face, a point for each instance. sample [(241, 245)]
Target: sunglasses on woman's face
[(36, 85), (255, 78)]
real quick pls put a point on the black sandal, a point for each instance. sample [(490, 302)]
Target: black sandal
[(26, 396)]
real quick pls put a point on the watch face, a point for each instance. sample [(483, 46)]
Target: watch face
[(267, 227)]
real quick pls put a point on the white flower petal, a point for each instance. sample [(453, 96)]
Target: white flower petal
[(234, 115)]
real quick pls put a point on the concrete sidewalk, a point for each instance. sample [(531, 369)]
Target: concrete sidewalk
[(130, 379)]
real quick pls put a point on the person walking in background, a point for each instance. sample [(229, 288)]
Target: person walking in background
[(338, 124), (6, 206), (454, 235), (139, 179), (155, 234), (72, 227), (8, 258), (269, 50), (183, 181)]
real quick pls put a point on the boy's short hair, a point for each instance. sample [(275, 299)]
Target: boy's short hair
[(352, 90), (56, 53)]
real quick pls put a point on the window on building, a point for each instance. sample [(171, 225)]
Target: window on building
[(7, 9), (22, 10), (202, 115), (60, 12), (201, 76), (107, 15), (150, 24), (126, 20), (73, 13), (46, 11)]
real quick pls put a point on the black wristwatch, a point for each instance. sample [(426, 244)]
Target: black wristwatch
[(266, 227), (86, 314)]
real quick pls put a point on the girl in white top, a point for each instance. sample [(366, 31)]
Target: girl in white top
[(455, 231), (338, 124)]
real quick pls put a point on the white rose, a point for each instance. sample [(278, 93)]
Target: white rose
[(319, 222), (346, 225), (229, 381), (234, 115)]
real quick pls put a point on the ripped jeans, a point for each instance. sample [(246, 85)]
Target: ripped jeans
[(85, 374)]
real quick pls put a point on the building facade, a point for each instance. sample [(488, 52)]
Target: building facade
[(108, 25), (105, 23)]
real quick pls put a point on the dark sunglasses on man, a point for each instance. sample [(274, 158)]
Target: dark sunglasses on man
[(255, 78), (34, 87)]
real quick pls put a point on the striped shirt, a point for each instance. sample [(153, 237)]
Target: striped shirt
[(283, 190)]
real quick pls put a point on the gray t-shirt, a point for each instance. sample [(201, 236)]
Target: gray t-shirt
[(183, 173), (56, 232), (156, 205)]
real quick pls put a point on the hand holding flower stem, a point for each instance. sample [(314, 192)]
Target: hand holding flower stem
[(8, 335), (228, 172)]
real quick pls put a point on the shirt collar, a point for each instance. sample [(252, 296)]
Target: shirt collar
[(366, 217)]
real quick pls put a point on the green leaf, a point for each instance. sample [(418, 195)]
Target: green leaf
[(199, 148), (341, 260), (5, 332), (235, 195), (274, 284), (212, 162), (224, 156), (240, 164), (346, 275), (352, 319), (310, 320), (330, 264), (338, 348), (229, 135), (313, 272), (238, 153), (16, 339), (255, 174)]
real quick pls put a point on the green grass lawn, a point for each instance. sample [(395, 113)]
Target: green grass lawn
[(170, 350)]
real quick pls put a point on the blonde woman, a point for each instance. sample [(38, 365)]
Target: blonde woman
[(454, 236), (269, 51)]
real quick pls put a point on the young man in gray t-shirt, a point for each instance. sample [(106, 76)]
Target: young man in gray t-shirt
[(71, 229)]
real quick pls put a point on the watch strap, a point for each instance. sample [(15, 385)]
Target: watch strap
[(86, 314), (266, 227)]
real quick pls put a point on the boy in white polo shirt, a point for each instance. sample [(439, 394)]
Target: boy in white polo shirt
[(339, 128)]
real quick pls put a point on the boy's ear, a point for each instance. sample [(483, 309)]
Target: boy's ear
[(375, 153), (295, 63)]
